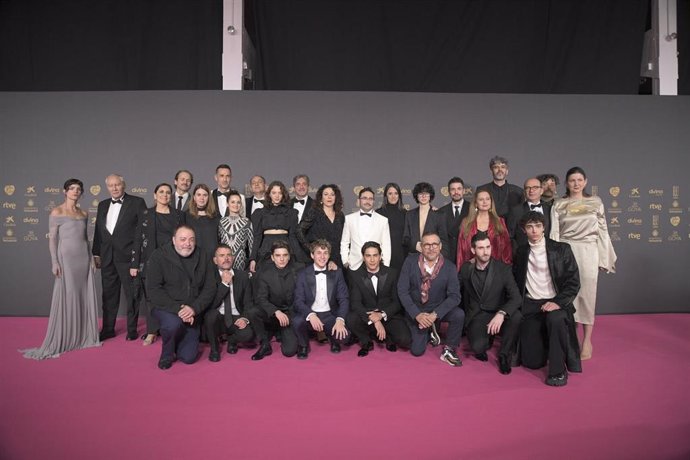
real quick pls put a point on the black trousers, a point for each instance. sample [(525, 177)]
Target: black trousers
[(479, 338), (262, 323), (115, 276), (397, 331), (214, 325), (543, 337), (180, 340), (302, 327)]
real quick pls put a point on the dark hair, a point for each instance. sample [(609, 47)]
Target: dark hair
[(162, 184), (532, 217), (547, 176), (366, 189), (456, 180), (210, 205), (223, 166), (337, 206), (496, 160), (300, 176), (479, 236), (423, 187), (234, 192), (431, 233), (283, 191), (223, 246), (181, 226), (320, 243), (191, 176), (71, 182), (280, 244), (385, 195), (371, 244), (571, 171)]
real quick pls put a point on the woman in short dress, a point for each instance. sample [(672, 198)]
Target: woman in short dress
[(236, 231), (482, 217)]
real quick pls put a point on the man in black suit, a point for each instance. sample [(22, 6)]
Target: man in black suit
[(273, 307), (455, 211), (258, 198), (533, 202), (547, 274), (491, 301), (227, 314), (504, 195), (183, 183), (223, 178), (117, 219), (321, 301), (374, 305), (181, 284), (301, 201), (429, 291)]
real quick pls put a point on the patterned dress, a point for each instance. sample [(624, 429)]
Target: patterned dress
[(237, 232)]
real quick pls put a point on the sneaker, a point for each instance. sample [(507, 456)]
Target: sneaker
[(449, 356), (435, 339), (558, 380)]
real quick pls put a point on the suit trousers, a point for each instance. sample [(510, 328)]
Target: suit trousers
[(479, 337), (179, 339), (301, 327), (261, 322), (420, 337), (214, 325), (397, 331), (543, 337), (114, 276)]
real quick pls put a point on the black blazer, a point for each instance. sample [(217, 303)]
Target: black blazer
[(500, 291), (118, 247), (364, 299), (249, 205), (275, 288), (517, 235), (241, 294), (453, 225), (145, 241), (435, 222), (308, 204), (305, 292)]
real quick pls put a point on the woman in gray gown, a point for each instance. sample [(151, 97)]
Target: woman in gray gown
[(73, 319)]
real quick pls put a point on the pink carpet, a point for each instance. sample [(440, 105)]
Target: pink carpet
[(112, 402)]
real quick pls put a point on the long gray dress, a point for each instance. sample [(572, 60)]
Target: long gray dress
[(73, 319)]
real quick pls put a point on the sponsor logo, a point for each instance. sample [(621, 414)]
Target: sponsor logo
[(95, 189), (614, 236), (655, 206), (49, 207), (9, 221), (656, 192), (595, 190), (9, 190), (614, 222), (635, 221), (30, 220), (674, 236), (634, 236), (30, 206), (139, 190), (357, 189), (8, 205), (655, 236), (9, 236), (634, 192), (30, 190), (52, 190), (634, 207), (30, 236), (444, 191), (675, 221), (675, 208), (615, 191)]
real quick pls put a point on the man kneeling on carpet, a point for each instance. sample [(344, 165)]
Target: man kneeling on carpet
[(547, 274), (181, 284)]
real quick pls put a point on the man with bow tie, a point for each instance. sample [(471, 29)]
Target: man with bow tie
[(362, 226), (533, 202), (117, 219), (301, 201), (258, 198), (223, 178)]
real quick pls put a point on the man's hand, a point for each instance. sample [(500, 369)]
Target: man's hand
[(380, 330), (316, 323), (375, 316), (133, 272), (226, 277), (241, 323), (252, 266), (550, 306), (425, 320), (283, 319), (339, 331), (495, 324), (332, 266), (186, 313)]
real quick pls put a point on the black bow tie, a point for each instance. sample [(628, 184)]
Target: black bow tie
[(299, 201), (364, 214), (116, 201), (258, 201), (371, 275), (320, 272), (534, 206), (225, 194)]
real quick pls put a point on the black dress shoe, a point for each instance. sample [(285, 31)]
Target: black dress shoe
[(335, 348), (481, 356), (105, 335), (558, 380), (265, 350), (504, 365), (132, 336), (364, 351), (232, 348), (214, 356), (302, 353), (165, 364)]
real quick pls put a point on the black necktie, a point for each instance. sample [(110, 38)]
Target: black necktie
[(364, 214), (457, 212), (116, 201), (179, 203), (319, 272), (300, 202)]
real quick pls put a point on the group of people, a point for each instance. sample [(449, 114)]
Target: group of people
[(214, 265)]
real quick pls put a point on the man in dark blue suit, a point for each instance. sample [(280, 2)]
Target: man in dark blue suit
[(429, 292), (321, 301)]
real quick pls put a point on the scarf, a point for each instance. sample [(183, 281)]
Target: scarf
[(428, 278)]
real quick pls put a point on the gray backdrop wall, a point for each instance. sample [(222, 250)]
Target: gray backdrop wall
[(633, 148)]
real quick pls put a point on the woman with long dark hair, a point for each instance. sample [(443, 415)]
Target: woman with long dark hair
[(325, 220), (393, 209), (204, 219)]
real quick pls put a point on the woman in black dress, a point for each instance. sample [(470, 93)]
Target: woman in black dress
[(393, 209), (204, 219), (155, 229), (325, 220), (276, 221), (424, 219)]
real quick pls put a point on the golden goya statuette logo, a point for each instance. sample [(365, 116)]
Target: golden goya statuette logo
[(95, 189), (675, 221), (9, 190), (615, 191)]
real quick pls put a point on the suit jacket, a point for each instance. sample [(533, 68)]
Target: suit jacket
[(305, 292), (119, 246), (243, 211), (517, 235), (453, 225), (435, 222), (444, 294), (504, 197), (352, 241), (307, 206), (169, 286), (499, 293), (249, 205), (185, 206), (241, 294), (145, 241), (275, 288), (364, 299)]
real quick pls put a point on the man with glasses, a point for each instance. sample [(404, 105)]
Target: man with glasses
[(533, 202)]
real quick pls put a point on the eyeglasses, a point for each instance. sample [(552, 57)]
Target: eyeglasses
[(529, 188), (431, 245)]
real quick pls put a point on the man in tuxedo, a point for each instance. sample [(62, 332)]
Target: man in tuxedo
[(491, 301), (374, 305), (183, 182), (117, 219), (274, 307), (454, 212), (429, 292), (227, 313), (362, 226), (257, 200), (301, 201), (546, 272), (223, 179), (549, 185), (533, 202), (181, 284), (321, 301), (504, 195)]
